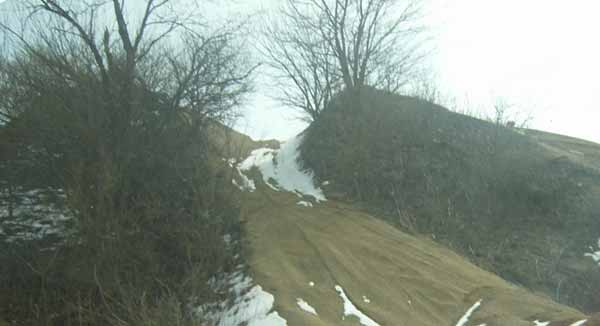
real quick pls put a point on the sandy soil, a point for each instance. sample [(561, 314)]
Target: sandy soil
[(408, 280)]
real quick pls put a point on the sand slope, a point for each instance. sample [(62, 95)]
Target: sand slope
[(408, 280)]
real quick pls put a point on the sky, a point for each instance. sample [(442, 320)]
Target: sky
[(540, 56)]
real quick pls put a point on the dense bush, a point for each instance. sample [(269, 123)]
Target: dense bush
[(145, 239), (482, 188), (121, 129)]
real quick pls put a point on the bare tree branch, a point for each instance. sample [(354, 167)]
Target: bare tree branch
[(323, 46)]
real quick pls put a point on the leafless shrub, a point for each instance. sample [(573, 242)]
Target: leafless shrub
[(322, 46), (117, 114)]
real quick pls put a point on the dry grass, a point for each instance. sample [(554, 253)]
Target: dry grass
[(502, 197)]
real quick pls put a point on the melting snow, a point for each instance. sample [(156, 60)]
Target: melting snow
[(280, 169), (246, 183), (541, 323), (252, 306), (366, 300), (579, 323), (465, 318), (305, 306), (595, 255), (35, 217), (351, 310), (305, 203), (311, 284)]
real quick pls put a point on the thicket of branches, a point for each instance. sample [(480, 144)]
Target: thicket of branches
[(114, 113), (319, 47)]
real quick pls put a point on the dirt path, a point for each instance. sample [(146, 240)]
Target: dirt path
[(408, 280)]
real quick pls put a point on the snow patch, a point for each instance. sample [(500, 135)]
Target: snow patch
[(37, 215), (235, 183), (366, 300), (465, 318), (230, 161), (263, 159), (280, 169), (595, 255), (252, 306), (305, 306), (579, 323), (305, 203), (311, 284), (351, 310), (541, 323), (245, 184)]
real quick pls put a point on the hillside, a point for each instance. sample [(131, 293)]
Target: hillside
[(304, 250), (127, 200), (580, 151), (317, 260), (522, 204), (408, 280)]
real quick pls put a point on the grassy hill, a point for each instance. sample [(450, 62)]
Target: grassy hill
[(417, 194), (520, 203)]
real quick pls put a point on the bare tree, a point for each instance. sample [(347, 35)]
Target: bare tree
[(347, 43), (102, 91), (425, 86), (305, 69), (369, 38), (505, 114), (6, 107), (119, 110)]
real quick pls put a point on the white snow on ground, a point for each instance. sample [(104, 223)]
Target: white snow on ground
[(351, 310), (247, 184), (465, 318), (252, 306), (305, 306), (311, 284), (595, 255), (366, 300), (305, 203), (235, 183), (230, 161), (281, 166), (547, 323), (263, 159), (34, 217), (253, 309)]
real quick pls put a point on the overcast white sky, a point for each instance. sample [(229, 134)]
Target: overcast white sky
[(540, 55)]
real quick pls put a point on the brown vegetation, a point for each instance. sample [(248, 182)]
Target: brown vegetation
[(490, 192), (118, 121), (321, 47)]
